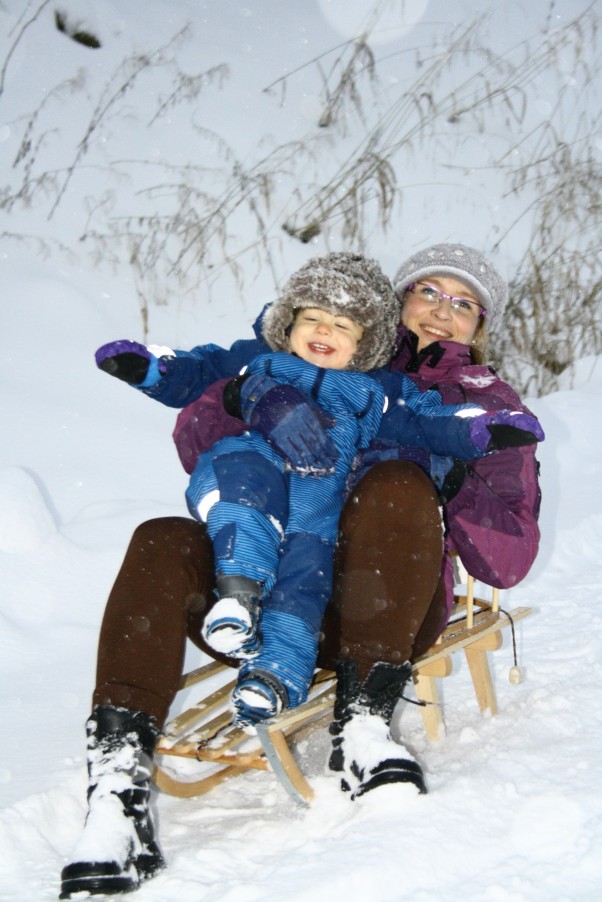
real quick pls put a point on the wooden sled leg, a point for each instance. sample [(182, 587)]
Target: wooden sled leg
[(478, 663), (425, 683)]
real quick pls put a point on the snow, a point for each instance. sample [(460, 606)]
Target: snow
[(514, 810)]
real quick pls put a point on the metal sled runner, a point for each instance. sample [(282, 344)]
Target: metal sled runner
[(204, 732)]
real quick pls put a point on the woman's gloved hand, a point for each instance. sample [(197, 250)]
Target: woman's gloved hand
[(504, 429)]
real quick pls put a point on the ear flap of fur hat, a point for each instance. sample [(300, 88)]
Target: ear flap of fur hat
[(345, 284), (458, 262)]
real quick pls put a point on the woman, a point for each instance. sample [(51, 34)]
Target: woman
[(393, 580)]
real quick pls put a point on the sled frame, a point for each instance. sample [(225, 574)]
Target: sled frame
[(204, 732)]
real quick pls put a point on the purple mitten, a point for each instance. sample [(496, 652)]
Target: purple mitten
[(126, 360), (504, 429), (121, 346)]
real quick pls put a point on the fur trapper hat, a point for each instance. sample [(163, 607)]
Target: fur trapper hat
[(345, 284), (459, 262)]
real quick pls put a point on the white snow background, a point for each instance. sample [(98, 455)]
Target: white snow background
[(515, 805)]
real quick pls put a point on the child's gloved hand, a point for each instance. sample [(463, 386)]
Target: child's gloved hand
[(504, 429), (133, 362), (294, 426), (126, 360)]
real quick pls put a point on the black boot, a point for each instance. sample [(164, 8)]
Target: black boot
[(363, 750), (117, 848)]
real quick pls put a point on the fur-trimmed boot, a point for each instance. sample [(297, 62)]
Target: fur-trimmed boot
[(117, 848), (363, 750)]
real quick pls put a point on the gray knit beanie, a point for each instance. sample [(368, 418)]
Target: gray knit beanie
[(459, 262), (345, 284)]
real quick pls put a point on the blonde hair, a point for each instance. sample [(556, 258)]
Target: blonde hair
[(479, 346)]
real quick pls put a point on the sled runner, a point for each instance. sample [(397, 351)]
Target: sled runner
[(204, 733)]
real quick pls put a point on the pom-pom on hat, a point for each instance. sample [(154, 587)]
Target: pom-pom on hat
[(459, 262), (344, 284)]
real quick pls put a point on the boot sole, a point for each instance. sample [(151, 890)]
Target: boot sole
[(104, 878), (393, 771)]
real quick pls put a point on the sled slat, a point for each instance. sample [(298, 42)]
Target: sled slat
[(201, 709)]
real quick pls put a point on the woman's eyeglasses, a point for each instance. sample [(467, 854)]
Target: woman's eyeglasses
[(460, 306)]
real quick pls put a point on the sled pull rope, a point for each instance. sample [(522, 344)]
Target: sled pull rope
[(206, 743), (516, 674), (422, 703)]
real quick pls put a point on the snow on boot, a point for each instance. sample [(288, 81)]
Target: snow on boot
[(258, 696), (280, 674), (230, 627), (363, 750), (117, 848)]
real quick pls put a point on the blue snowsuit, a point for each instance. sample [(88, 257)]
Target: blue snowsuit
[(275, 526)]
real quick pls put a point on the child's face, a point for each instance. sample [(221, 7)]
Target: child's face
[(324, 339)]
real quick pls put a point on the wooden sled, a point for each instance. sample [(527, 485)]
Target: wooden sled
[(204, 732)]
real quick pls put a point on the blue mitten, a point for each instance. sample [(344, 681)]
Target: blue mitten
[(504, 429), (293, 425), (129, 361)]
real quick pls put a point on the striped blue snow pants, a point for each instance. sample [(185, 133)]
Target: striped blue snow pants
[(279, 528)]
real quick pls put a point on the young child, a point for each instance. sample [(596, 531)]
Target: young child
[(273, 528)]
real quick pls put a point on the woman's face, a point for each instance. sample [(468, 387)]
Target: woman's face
[(440, 321), (324, 339)]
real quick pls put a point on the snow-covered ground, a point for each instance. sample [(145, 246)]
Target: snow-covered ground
[(514, 811), (515, 805)]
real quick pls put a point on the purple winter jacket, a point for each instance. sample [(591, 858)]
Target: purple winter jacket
[(492, 520)]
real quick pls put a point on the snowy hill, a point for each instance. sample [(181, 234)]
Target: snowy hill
[(515, 804)]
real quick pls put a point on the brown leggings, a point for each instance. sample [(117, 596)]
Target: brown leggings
[(388, 598)]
